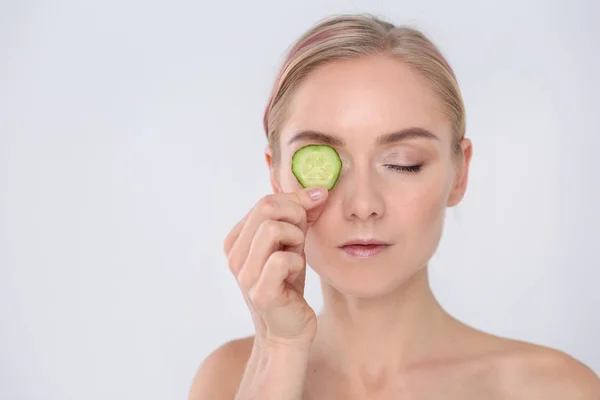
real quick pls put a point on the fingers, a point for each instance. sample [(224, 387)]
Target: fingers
[(269, 208), (280, 268), (313, 201), (270, 237), (281, 207), (312, 207), (265, 252), (300, 208)]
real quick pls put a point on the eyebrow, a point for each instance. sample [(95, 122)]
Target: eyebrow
[(389, 138)]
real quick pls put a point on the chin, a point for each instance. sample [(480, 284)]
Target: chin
[(364, 278), (362, 289)]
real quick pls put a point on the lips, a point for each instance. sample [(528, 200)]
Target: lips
[(364, 248)]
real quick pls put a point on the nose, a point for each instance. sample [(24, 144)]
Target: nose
[(363, 199)]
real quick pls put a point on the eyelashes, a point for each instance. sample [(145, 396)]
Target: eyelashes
[(404, 168), (411, 169)]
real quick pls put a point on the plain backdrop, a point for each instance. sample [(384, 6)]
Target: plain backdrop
[(131, 142)]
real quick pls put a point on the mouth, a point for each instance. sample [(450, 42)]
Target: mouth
[(364, 248)]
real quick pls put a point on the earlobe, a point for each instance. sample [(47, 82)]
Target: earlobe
[(462, 177)]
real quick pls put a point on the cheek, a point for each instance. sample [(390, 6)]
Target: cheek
[(316, 247), (420, 207), (414, 217), (329, 231)]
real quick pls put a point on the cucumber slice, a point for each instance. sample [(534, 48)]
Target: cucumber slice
[(317, 165)]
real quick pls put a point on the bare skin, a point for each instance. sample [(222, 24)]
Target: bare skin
[(515, 371), (381, 333)]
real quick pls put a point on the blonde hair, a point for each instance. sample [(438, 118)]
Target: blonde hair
[(350, 36)]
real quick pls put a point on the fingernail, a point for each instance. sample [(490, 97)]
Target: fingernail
[(316, 193)]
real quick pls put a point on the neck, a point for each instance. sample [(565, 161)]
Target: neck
[(373, 337)]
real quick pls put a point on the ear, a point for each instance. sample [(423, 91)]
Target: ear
[(462, 176), (273, 171)]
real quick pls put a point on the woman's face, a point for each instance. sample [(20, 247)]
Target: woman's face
[(377, 113)]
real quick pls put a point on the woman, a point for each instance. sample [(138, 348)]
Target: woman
[(388, 102)]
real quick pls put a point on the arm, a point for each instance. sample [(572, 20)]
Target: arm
[(265, 253)]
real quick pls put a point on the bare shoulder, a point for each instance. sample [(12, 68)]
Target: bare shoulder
[(220, 373), (503, 368), (530, 371)]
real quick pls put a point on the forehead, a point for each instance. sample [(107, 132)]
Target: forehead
[(361, 96)]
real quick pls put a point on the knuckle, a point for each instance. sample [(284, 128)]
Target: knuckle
[(298, 214), (280, 259), (296, 236), (268, 204), (296, 259), (300, 233), (271, 228), (260, 298), (303, 216)]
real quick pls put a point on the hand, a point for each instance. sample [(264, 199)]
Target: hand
[(265, 252)]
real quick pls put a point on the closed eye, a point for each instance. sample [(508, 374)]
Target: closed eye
[(404, 168)]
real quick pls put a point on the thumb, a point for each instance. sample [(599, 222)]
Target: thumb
[(313, 200)]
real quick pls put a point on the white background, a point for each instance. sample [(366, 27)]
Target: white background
[(124, 126)]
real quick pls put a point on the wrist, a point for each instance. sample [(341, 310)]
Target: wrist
[(275, 372), (283, 362), (280, 346), (274, 355)]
